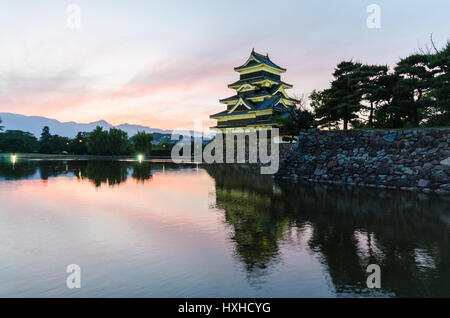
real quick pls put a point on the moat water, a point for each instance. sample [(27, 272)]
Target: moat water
[(165, 230)]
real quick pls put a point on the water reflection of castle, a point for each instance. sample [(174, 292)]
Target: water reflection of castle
[(408, 236), (345, 228)]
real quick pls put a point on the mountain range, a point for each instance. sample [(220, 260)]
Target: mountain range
[(34, 125)]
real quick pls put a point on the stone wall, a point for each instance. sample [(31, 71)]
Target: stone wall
[(406, 159)]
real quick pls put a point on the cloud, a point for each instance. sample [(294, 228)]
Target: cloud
[(172, 93)]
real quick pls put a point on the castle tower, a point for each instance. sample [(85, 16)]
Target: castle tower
[(260, 96)]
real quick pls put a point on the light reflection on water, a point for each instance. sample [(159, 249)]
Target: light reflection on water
[(164, 230)]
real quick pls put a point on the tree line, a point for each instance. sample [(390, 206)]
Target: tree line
[(98, 142), (414, 93)]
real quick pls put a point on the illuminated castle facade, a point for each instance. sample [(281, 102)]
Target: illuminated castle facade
[(260, 96)]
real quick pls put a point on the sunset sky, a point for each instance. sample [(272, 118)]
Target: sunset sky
[(167, 63)]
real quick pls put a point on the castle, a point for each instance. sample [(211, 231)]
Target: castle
[(260, 97)]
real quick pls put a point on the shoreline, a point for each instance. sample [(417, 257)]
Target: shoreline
[(78, 157)]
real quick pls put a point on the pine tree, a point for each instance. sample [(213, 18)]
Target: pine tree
[(413, 86), (371, 88), (341, 102), (440, 91)]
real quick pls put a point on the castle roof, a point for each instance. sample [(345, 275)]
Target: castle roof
[(258, 79), (275, 103), (258, 59)]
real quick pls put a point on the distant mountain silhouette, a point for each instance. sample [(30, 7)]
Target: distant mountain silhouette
[(34, 125)]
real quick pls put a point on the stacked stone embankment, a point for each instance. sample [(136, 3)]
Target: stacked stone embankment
[(416, 160)]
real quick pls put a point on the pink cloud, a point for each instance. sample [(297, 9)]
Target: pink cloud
[(168, 95)]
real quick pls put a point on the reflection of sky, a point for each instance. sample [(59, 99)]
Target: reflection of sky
[(165, 63), (187, 232), (368, 249), (159, 238)]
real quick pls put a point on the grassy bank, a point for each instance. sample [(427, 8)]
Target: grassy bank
[(36, 155), (73, 157)]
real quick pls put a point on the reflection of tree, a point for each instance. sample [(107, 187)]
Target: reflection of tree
[(407, 234), (98, 172), (354, 227), (114, 172), (108, 172), (142, 171), (20, 170), (48, 169)]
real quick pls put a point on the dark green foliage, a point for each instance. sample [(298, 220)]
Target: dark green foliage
[(1, 127), (142, 142), (117, 142), (77, 146), (371, 88), (97, 141), (113, 142), (17, 141), (45, 141), (60, 144), (52, 144), (297, 119), (439, 113), (325, 115), (388, 113), (342, 101), (163, 149), (412, 88), (416, 93)]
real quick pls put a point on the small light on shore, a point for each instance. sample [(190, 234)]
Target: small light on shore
[(13, 158), (140, 158)]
